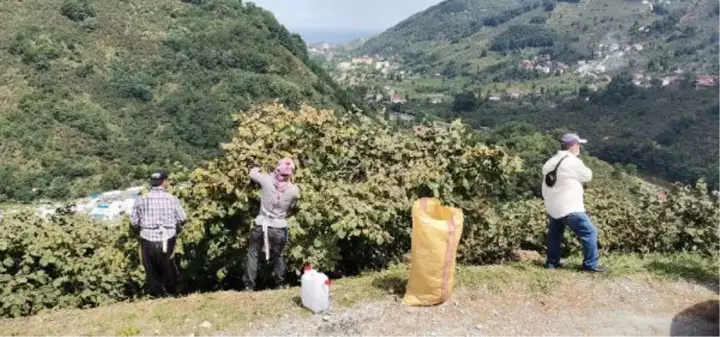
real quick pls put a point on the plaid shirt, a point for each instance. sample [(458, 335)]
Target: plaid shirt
[(157, 214)]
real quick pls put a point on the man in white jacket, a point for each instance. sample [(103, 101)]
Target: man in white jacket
[(563, 192)]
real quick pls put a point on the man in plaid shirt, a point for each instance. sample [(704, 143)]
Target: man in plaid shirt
[(158, 217)]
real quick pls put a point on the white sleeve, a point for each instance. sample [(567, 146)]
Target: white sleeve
[(258, 177), (582, 173)]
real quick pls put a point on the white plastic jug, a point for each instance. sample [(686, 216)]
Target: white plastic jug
[(315, 290)]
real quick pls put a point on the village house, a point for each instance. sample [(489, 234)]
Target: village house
[(667, 80), (382, 65), (527, 64), (637, 78), (362, 60), (544, 65), (354, 80), (514, 94), (706, 80), (562, 66), (344, 66), (543, 69)]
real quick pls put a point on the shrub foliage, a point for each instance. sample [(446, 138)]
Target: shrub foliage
[(66, 261), (77, 10), (357, 177), (523, 36)]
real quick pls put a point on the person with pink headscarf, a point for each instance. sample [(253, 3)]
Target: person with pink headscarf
[(269, 234)]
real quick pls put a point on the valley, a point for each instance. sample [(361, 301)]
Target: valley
[(641, 80)]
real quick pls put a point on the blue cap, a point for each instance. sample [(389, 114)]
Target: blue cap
[(572, 139)]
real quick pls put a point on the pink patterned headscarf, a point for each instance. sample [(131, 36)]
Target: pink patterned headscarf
[(284, 170)]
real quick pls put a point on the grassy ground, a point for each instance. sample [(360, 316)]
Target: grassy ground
[(237, 313)]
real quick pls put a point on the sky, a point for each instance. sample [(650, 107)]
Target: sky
[(342, 15)]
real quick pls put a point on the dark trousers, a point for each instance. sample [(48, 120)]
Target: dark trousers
[(277, 239), (160, 271), (585, 231)]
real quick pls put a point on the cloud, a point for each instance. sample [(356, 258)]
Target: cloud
[(343, 14)]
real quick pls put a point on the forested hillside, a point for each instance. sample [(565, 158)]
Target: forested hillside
[(94, 93), (638, 78), (466, 36), (670, 132)]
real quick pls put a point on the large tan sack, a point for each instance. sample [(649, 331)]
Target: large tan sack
[(436, 232)]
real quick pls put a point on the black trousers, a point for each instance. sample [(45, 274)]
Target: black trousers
[(160, 271), (277, 239)]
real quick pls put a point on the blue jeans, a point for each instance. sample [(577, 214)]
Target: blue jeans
[(584, 229)]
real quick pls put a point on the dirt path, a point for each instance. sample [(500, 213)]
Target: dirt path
[(518, 299), (581, 307)]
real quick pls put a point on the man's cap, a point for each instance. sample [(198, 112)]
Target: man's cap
[(158, 177), (572, 139)]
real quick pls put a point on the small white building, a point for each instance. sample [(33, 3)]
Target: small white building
[(134, 190)]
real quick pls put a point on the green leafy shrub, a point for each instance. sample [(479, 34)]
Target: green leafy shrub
[(523, 36), (538, 20), (466, 101), (357, 177), (37, 47), (77, 10), (659, 9), (684, 222), (549, 5), (66, 262), (507, 15)]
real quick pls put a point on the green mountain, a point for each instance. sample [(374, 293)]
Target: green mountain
[(469, 36), (635, 76), (93, 94)]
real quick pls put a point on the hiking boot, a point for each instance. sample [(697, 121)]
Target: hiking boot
[(553, 266), (598, 270), (281, 287)]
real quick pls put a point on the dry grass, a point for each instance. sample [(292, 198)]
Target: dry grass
[(238, 313)]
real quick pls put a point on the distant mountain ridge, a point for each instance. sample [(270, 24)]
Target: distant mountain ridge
[(334, 36), (474, 34)]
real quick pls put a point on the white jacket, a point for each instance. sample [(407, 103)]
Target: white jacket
[(567, 196)]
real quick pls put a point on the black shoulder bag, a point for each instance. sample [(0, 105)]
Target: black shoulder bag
[(551, 177)]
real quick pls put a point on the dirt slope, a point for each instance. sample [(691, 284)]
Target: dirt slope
[(650, 295), (582, 307)]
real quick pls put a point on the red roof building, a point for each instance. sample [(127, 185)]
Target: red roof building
[(706, 80)]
